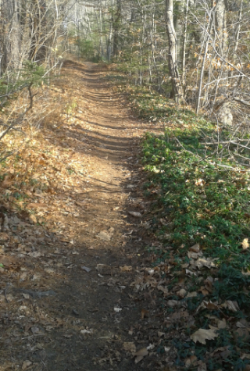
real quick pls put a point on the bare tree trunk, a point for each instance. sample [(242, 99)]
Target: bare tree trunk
[(15, 37), (177, 91), (222, 38), (207, 39), (116, 27), (184, 44)]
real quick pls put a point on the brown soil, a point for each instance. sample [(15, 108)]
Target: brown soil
[(73, 298)]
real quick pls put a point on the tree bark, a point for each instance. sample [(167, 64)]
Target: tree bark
[(177, 91), (116, 27)]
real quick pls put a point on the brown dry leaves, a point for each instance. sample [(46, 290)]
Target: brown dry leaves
[(202, 335)]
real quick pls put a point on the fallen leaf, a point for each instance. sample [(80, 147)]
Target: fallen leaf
[(172, 303), (222, 352), (190, 361), (193, 255), (26, 364), (207, 305), (104, 235), (242, 323), (245, 244), (202, 335), (192, 294), (163, 289), (231, 305), (33, 218), (150, 347), (200, 182), (160, 334), (181, 293), (195, 248), (245, 356), (242, 334), (140, 354), (204, 262), (201, 366), (190, 273), (26, 296), (222, 323), (144, 313), (126, 268), (208, 284), (129, 347), (49, 270)]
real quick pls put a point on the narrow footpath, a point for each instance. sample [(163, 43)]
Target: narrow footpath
[(82, 297), (94, 299)]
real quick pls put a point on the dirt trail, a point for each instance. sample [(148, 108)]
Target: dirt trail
[(68, 300), (95, 304)]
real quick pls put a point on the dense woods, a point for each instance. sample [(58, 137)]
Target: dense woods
[(194, 51)]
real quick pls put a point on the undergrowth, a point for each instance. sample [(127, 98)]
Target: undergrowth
[(203, 198)]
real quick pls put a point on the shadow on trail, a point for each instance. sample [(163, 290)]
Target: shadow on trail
[(93, 333), (77, 327)]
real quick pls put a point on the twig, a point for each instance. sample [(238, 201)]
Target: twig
[(242, 101), (31, 96)]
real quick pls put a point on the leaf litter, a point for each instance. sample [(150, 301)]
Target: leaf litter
[(50, 211), (57, 223)]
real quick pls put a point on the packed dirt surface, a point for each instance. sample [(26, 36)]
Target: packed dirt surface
[(80, 295)]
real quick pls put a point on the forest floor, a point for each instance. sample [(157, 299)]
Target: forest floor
[(77, 288), (124, 241)]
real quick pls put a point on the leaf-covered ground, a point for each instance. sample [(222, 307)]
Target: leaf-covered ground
[(200, 207), (77, 288), (117, 253)]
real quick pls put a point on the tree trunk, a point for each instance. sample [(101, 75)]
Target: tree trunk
[(222, 40), (177, 91), (116, 27)]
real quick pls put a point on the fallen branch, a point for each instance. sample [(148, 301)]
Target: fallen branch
[(242, 102)]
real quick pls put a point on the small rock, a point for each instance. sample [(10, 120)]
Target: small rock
[(135, 214), (86, 269), (85, 331)]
